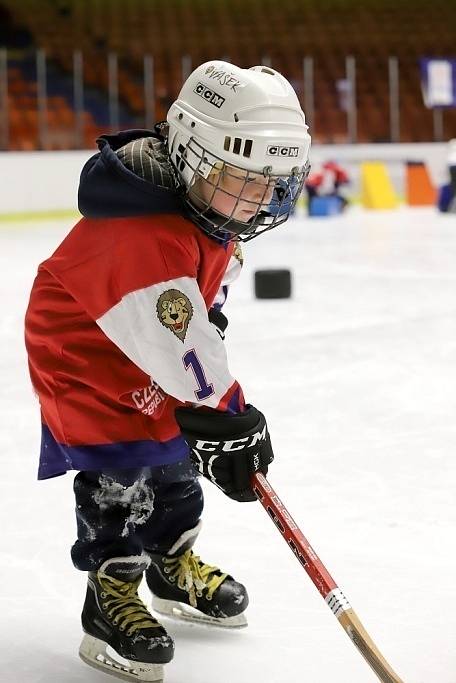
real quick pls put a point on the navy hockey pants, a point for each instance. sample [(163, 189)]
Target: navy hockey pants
[(124, 512)]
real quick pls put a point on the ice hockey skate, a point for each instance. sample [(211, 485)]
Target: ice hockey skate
[(121, 637), (187, 589)]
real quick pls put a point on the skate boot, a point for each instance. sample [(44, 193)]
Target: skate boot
[(114, 618), (186, 588)]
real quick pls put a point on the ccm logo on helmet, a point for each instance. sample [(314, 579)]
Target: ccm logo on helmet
[(281, 151), (209, 95)]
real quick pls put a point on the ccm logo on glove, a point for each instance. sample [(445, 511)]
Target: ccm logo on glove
[(227, 449), (229, 446)]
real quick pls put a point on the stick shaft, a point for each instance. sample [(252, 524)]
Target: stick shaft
[(321, 579)]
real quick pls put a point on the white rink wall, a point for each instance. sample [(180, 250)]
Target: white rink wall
[(34, 182), (40, 181)]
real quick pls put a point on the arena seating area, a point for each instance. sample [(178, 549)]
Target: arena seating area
[(246, 32)]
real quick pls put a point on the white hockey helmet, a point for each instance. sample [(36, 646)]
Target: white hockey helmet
[(241, 121)]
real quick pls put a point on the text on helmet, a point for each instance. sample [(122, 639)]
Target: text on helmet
[(209, 95), (223, 77), (282, 151)]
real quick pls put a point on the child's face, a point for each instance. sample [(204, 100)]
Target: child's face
[(253, 189)]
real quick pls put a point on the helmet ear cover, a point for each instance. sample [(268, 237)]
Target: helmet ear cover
[(206, 179)]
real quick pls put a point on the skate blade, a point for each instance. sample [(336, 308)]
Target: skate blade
[(96, 653), (183, 612)]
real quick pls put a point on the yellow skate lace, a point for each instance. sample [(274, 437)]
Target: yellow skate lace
[(193, 575), (123, 605)]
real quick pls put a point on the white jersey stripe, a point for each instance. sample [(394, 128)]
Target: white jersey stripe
[(141, 326)]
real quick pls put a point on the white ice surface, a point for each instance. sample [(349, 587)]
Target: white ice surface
[(356, 375)]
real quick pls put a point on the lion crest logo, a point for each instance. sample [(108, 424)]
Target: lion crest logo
[(237, 253), (175, 311)]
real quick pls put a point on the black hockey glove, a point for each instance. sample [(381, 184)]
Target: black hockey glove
[(219, 320), (227, 449)]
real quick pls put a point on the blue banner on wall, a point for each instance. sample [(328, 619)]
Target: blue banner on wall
[(438, 81)]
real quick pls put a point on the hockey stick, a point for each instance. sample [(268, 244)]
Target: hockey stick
[(325, 584)]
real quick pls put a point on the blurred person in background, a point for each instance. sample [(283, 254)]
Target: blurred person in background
[(328, 183), (451, 158), (447, 193)]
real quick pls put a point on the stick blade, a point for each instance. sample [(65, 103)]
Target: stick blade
[(366, 646)]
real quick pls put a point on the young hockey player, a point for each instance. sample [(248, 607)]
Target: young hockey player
[(125, 340)]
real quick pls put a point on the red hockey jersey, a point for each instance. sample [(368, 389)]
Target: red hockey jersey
[(118, 335)]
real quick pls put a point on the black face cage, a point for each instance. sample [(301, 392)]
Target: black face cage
[(275, 196)]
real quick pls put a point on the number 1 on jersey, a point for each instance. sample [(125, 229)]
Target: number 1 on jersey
[(192, 361)]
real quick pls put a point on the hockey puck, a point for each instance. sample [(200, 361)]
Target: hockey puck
[(272, 284)]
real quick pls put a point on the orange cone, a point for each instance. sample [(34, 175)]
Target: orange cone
[(418, 186)]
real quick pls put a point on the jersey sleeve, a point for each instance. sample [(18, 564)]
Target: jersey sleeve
[(231, 275), (165, 330)]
